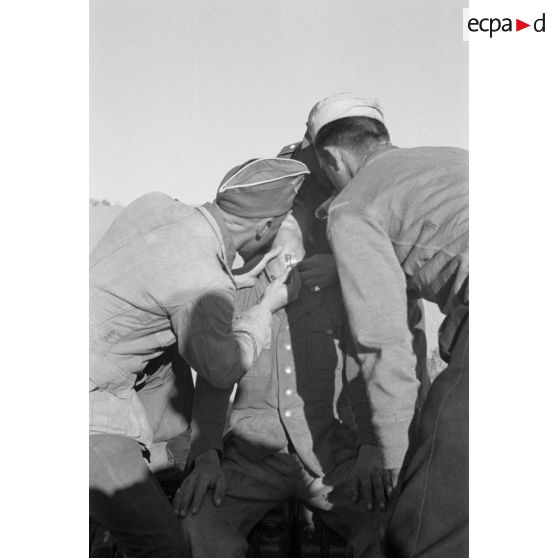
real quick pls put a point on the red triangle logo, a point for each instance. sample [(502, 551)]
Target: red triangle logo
[(519, 25)]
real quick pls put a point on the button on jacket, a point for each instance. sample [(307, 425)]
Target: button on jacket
[(301, 392), (160, 280), (401, 223)]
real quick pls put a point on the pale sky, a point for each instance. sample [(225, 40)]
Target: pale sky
[(183, 90)]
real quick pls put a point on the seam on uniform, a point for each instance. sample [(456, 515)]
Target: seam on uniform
[(436, 248), (125, 375)]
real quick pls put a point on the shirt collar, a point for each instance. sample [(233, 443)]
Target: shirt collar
[(230, 249)]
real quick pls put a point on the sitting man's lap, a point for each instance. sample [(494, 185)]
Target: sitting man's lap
[(254, 488)]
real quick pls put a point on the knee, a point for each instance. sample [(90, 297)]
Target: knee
[(176, 547), (210, 536)]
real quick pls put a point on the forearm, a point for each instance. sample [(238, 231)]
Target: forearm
[(391, 387), (374, 291), (209, 417), (219, 347), (362, 412), (358, 396)]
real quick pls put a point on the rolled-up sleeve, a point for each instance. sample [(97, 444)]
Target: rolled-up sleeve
[(217, 346), (374, 292)]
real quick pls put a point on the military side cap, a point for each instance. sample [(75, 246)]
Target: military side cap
[(339, 106), (261, 187)]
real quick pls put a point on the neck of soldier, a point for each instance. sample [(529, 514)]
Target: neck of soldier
[(369, 153), (351, 161)]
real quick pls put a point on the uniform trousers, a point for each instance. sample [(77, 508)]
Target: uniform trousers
[(254, 488), (125, 497), (430, 517)]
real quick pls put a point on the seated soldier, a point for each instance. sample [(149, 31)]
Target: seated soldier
[(286, 437)]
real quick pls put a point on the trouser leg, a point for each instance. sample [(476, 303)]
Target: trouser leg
[(332, 497), (252, 490), (429, 518), (126, 499)]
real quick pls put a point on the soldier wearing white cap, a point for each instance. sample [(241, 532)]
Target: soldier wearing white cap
[(398, 226), (161, 289)]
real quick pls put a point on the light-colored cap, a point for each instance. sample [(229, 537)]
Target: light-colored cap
[(261, 187), (339, 106)]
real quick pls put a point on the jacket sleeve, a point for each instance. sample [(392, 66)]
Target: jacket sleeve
[(374, 291), (217, 346), (209, 414), (209, 418), (357, 391)]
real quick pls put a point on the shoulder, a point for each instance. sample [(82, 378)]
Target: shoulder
[(151, 199), (428, 154), (343, 208)]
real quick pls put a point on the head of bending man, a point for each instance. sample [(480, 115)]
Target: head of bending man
[(345, 129)]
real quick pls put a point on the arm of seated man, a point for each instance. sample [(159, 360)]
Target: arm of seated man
[(208, 424)]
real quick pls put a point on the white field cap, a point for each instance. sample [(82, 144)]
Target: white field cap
[(339, 106)]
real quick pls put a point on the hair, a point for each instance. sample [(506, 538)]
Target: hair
[(354, 133)]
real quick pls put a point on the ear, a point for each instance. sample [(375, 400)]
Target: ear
[(263, 226), (332, 157)]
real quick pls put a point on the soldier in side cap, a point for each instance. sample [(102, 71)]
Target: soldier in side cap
[(399, 229), (161, 292)]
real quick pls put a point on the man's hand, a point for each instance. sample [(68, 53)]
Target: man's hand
[(276, 294), (249, 279), (318, 271), (207, 474), (372, 483)]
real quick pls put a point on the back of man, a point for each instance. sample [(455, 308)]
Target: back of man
[(419, 197), (141, 271)]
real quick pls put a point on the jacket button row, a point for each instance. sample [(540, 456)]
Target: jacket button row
[(288, 392), (288, 347), (288, 414), (288, 370)]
